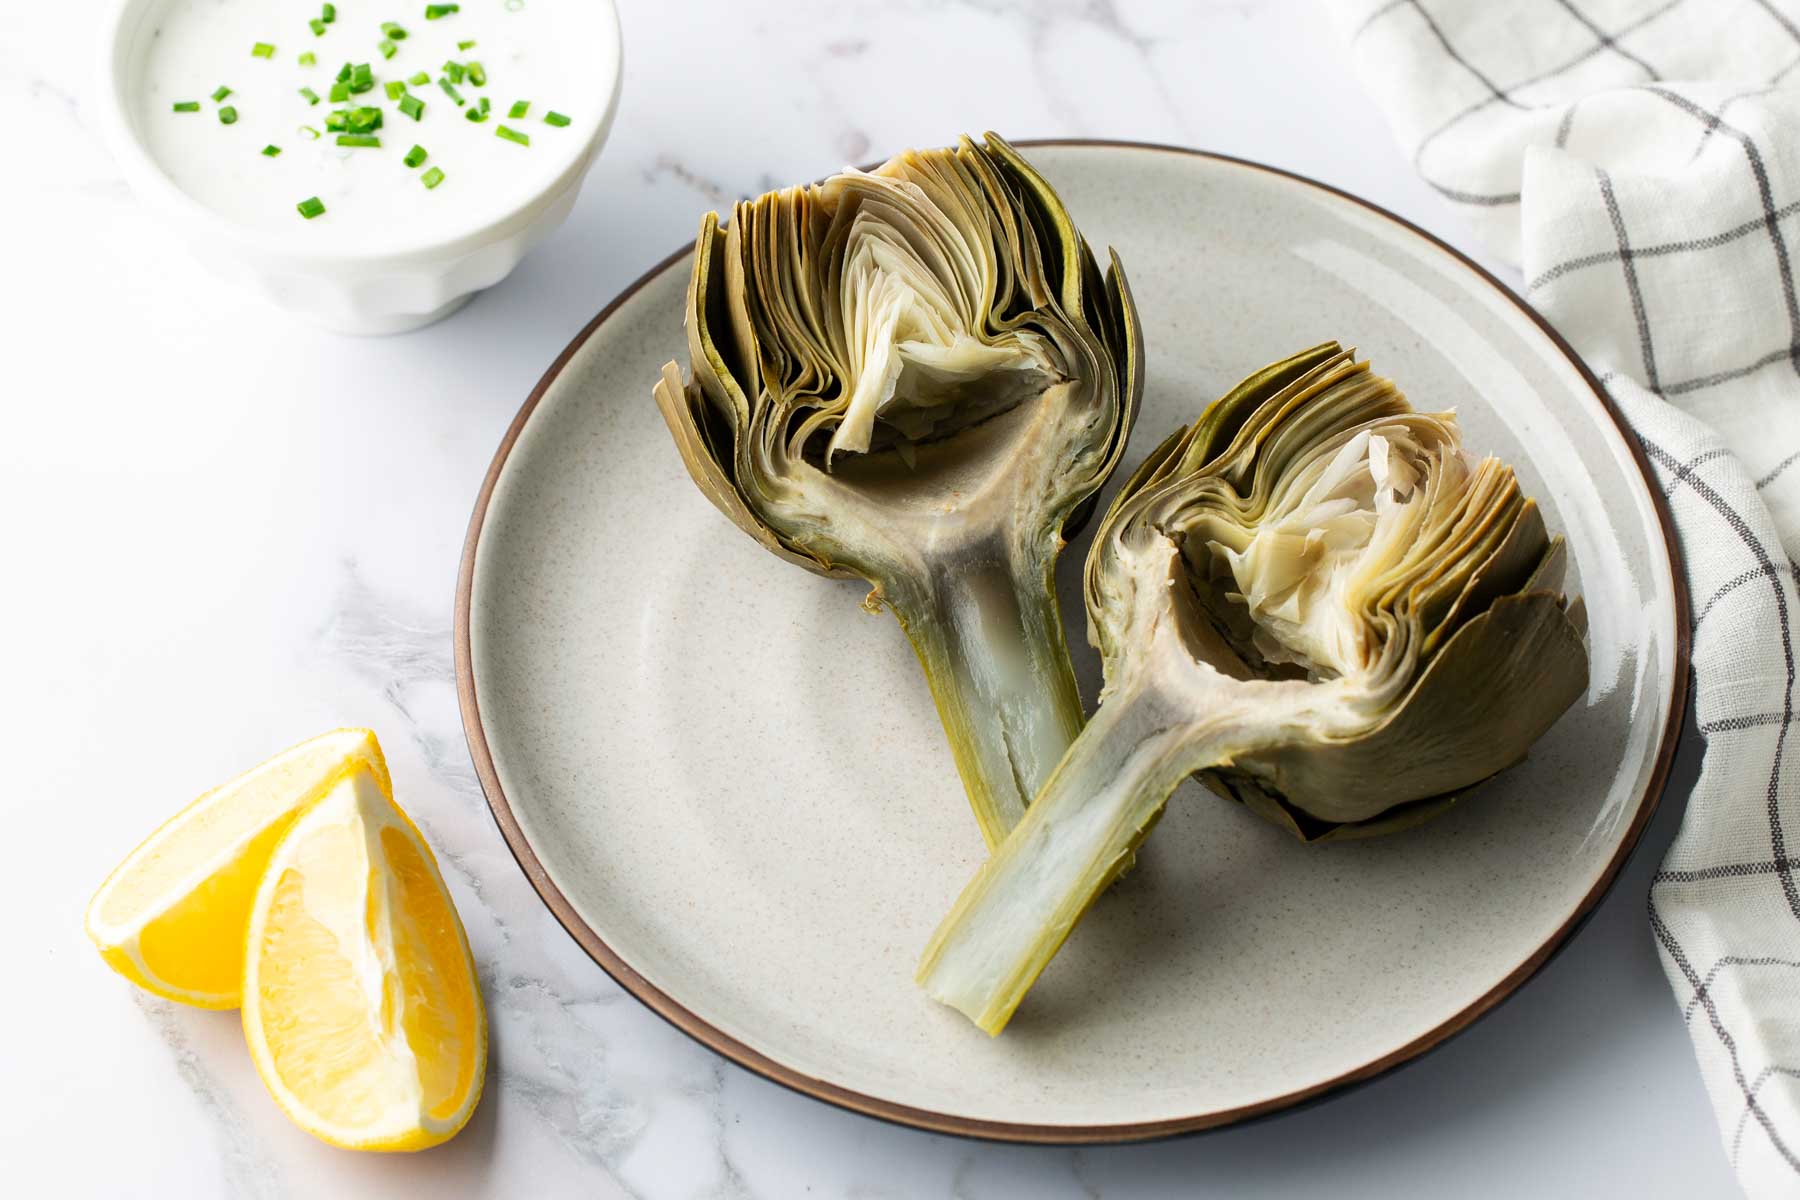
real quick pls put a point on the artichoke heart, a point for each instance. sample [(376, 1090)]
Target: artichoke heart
[(1316, 599), (918, 376)]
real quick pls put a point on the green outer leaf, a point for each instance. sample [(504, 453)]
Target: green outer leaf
[(1220, 424), (692, 412), (1495, 688), (1249, 792)]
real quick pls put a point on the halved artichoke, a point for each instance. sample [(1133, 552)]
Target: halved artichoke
[(1313, 596), (916, 376)]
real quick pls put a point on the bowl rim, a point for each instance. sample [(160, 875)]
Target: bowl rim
[(154, 186), (1045, 1133)]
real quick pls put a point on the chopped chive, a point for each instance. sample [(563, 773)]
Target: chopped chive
[(262, 50), (394, 31), (309, 59), (358, 139), (329, 13), (555, 118), (310, 207), (415, 156), (318, 27), (365, 119), (343, 75), (465, 45), (338, 122), (221, 93), (308, 131), (519, 108), (434, 11), (512, 135), (339, 92), (450, 91), (420, 79), (432, 178), (187, 106), (228, 115), (362, 78), (271, 150), (477, 74), (395, 88), (479, 112), (386, 47), (412, 106), (312, 97), (455, 71)]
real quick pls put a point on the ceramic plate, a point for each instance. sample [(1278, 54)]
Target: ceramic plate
[(728, 782)]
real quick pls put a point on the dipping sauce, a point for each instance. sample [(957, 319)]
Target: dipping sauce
[(544, 53)]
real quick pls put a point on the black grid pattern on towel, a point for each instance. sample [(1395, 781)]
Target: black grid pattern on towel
[(1599, 41)]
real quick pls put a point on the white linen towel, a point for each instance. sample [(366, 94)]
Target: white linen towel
[(1640, 161)]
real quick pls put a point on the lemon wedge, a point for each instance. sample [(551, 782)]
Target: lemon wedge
[(171, 917), (360, 1003)]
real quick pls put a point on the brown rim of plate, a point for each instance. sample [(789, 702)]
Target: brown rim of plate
[(713, 1038)]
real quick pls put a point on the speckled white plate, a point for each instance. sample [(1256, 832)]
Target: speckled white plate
[(728, 781)]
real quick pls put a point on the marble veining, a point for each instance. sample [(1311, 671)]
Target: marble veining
[(243, 1164), (231, 532)]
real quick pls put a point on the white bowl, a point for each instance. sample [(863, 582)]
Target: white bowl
[(359, 291)]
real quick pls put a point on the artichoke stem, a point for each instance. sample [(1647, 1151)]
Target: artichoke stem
[(1076, 837), (987, 631)]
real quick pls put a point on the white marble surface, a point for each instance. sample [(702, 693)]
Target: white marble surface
[(224, 531)]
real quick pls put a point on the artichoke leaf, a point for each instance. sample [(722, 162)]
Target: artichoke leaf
[(1511, 672)]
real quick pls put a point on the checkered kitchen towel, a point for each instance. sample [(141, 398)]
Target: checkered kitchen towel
[(1640, 161)]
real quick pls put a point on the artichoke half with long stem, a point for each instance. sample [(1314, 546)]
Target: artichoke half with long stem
[(916, 376), (1314, 597)]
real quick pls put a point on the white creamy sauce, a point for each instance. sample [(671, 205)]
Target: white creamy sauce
[(549, 52)]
